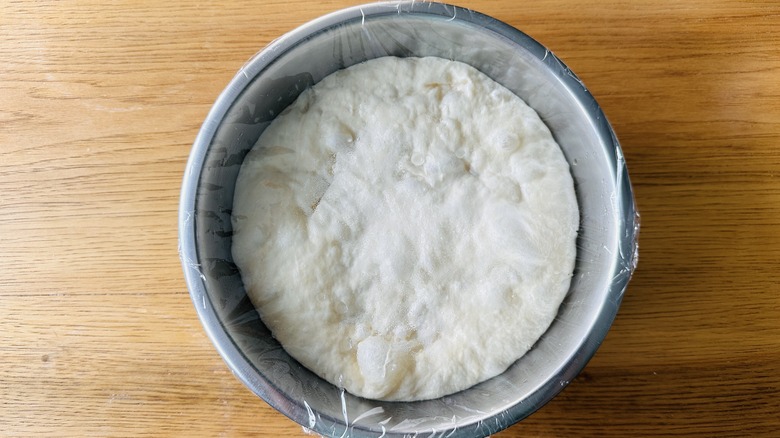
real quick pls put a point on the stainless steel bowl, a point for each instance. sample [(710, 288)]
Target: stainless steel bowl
[(607, 243)]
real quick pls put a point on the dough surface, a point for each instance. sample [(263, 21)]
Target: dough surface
[(406, 228)]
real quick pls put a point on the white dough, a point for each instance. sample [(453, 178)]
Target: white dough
[(406, 228)]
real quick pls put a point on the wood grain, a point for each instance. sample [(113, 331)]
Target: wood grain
[(100, 102)]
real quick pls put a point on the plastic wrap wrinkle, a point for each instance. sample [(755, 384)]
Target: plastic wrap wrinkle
[(312, 418), (369, 413), (635, 256), (468, 409), (344, 409), (307, 431), (188, 261), (454, 13)]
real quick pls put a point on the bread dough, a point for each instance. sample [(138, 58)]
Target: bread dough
[(406, 228)]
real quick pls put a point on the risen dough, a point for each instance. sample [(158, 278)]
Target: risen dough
[(406, 228)]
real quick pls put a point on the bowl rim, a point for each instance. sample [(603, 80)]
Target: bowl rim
[(625, 208)]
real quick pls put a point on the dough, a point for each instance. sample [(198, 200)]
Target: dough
[(406, 228)]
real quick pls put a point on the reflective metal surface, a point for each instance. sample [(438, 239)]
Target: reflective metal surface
[(607, 243)]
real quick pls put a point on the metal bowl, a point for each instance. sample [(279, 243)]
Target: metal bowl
[(607, 242)]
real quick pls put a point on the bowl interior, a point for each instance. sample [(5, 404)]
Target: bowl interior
[(272, 80)]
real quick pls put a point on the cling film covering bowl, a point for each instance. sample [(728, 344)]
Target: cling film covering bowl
[(271, 80)]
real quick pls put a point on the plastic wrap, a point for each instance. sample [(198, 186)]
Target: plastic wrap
[(270, 81)]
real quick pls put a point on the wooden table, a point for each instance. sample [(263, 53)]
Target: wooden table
[(100, 102)]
